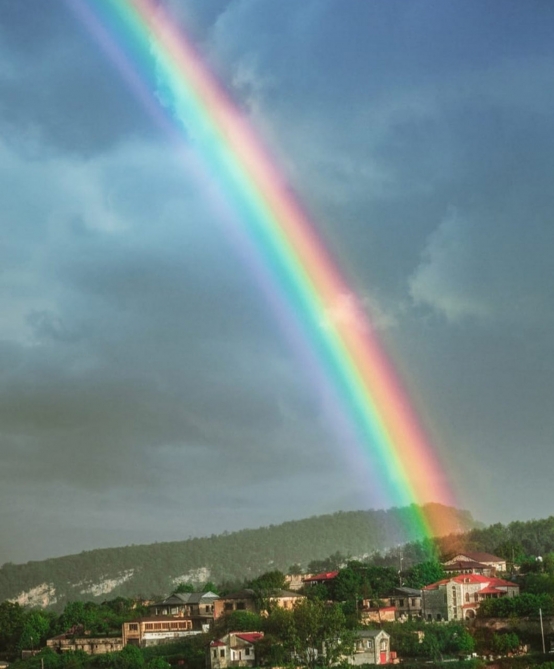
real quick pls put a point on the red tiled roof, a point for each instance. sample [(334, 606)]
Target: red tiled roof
[(217, 643), (489, 581), (324, 576), (250, 637)]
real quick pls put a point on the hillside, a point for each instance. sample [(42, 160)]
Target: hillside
[(157, 568)]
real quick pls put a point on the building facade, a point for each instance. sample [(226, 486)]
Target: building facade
[(243, 600), (89, 645), (459, 597), (371, 647), (236, 649), (155, 630), (199, 607)]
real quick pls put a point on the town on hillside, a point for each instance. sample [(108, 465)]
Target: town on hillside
[(466, 607)]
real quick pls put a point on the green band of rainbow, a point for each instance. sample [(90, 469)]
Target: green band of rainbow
[(153, 54)]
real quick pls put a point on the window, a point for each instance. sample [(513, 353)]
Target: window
[(222, 652), (467, 596), (215, 653), (149, 626), (241, 606), (133, 627), (247, 651), (476, 597), (228, 606), (414, 602)]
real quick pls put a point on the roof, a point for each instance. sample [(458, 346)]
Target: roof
[(482, 557), (247, 593), (249, 637), (407, 592), (180, 598), (324, 576), (197, 597), (157, 619), (473, 579), (217, 643), (364, 634), (286, 593), (464, 564)]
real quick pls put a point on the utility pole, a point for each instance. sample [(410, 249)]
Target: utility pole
[(542, 632)]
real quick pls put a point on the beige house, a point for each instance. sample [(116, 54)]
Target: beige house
[(484, 560), (459, 597), (243, 600), (285, 599), (155, 630), (236, 649), (89, 645), (377, 614)]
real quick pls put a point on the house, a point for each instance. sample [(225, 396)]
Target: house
[(285, 599), (243, 600), (196, 606), (371, 613), (371, 647), (468, 567), (295, 581), (408, 602), (62, 643), (236, 649), (154, 630), (319, 579), (402, 604), (493, 562), (459, 597)]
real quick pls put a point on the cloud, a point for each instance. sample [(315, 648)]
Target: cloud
[(445, 278)]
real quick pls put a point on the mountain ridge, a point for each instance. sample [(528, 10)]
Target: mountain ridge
[(146, 569)]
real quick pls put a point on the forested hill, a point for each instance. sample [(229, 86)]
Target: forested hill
[(157, 568)]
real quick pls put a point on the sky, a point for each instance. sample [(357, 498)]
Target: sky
[(148, 391)]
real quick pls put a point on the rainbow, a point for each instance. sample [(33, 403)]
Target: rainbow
[(153, 55)]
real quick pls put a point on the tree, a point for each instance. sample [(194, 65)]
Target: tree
[(158, 663), (12, 620), (502, 644), (423, 574), (184, 587), (130, 658), (269, 582), (319, 634), (35, 630)]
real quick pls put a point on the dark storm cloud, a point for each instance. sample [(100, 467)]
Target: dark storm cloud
[(139, 357)]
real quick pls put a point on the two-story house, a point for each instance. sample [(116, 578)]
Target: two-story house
[(242, 600), (198, 607), (236, 649), (459, 597), (479, 563)]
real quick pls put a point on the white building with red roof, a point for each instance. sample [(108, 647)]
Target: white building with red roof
[(236, 649), (484, 560), (459, 597), (323, 578)]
